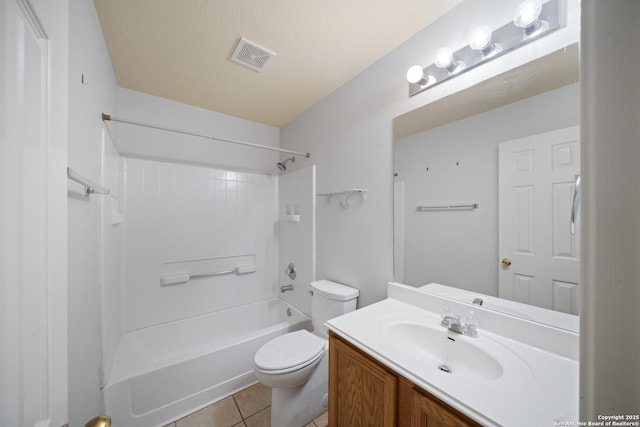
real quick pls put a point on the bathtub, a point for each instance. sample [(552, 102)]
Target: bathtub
[(164, 372)]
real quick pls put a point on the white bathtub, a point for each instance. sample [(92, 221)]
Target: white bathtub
[(164, 372)]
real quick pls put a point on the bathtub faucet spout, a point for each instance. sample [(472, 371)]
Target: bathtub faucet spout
[(285, 288)]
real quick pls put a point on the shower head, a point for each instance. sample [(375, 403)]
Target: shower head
[(283, 164)]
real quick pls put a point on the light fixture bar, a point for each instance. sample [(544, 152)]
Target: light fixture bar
[(507, 38)]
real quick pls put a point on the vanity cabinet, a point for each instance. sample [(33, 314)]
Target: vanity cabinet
[(417, 408), (363, 392)]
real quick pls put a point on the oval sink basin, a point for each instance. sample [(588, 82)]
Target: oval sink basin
[(433, 348), (451, 353)]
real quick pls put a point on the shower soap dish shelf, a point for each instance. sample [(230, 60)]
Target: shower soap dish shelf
[(291, 212), (116, 216)]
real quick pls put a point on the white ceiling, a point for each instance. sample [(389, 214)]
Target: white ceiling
[(181, 49)]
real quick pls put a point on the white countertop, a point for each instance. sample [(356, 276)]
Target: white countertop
[(536, 387)]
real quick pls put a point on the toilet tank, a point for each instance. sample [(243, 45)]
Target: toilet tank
[(329, 300)]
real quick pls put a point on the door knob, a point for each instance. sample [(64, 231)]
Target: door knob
[(506, 262), (101, 421)]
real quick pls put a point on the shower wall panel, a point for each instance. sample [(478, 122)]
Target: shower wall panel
[(196, 219), (297, 195)]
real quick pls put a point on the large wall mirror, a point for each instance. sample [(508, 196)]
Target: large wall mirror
[(484, 187)]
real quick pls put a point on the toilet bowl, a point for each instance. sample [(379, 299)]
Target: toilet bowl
[(295, 365), (289, 360)]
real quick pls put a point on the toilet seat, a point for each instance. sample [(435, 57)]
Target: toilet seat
[(289, 352)]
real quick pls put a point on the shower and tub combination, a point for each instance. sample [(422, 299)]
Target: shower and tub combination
[(166, 371), (202, 271)]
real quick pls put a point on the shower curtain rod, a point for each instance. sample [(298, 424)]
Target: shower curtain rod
[(107, 117)]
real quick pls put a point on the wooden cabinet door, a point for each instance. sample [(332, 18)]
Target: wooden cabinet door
[(417, 408), (362, 393)]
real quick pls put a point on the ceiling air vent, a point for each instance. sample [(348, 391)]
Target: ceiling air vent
[(251, 55)]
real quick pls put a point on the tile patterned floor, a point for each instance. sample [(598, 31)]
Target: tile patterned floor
[(250, 407)]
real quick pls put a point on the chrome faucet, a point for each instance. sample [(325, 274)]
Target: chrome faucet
[(285, 288), (466, 326), (452, 323)]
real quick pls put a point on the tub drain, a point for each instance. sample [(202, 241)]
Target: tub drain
[(445, 368)]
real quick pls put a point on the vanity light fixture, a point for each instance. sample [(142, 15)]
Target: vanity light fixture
[(532, 20), (445, 59), (526, 17), (481, 40), (416, 75)]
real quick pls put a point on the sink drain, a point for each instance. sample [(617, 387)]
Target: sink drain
[(445, 368)]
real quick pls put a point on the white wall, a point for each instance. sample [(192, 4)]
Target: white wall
[(610, 319), (462, 158), (349, 136), (86, 254), (137, 141), (296, 192), (192, 219)]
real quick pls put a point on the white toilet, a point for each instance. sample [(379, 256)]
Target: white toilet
[(296, 365)]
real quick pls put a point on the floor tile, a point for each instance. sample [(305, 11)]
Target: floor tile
[(253, 399), (311, 424), (322, 420), (261, 419), (220, 414)]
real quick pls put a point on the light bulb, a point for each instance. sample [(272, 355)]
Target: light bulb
[(480, 38), (444, 58), (415, 74), (527, 13)]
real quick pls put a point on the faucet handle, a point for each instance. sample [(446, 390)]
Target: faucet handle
[(447, 314), (470, 324)]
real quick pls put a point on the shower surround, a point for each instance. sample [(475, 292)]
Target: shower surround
[(195, 219), (180, 218), (189, 206)]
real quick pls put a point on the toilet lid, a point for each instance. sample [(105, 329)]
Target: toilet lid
[(289, 350)]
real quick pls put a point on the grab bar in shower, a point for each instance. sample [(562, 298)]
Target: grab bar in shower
[(89, 186), (217, 273), (177, 278), (450, 207)]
